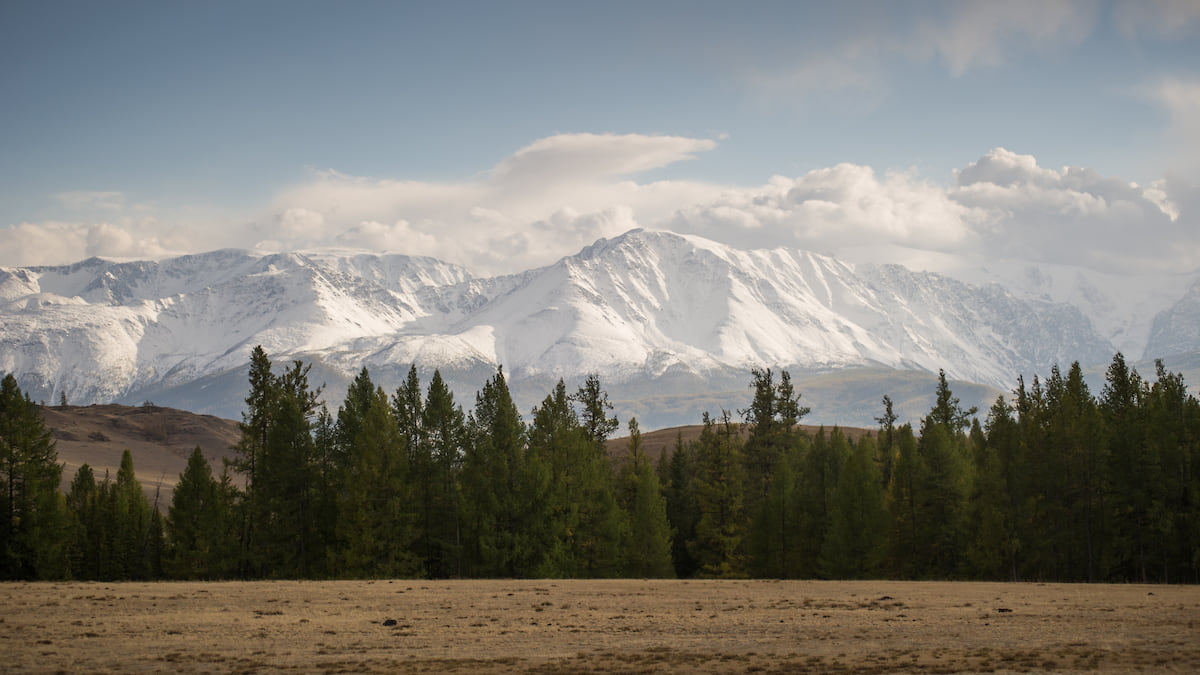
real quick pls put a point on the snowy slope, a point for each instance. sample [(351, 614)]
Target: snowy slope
[(650, 310)]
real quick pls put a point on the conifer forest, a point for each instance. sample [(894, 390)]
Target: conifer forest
[(1053, 483)]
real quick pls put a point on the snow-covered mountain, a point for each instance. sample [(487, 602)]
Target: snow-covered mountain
[(659, 315)]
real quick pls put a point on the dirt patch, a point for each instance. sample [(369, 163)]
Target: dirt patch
[(598, 626)]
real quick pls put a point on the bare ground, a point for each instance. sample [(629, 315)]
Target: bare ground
[(598, 626)]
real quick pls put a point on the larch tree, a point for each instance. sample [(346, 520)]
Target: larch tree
[(34, 522), (648, 545)]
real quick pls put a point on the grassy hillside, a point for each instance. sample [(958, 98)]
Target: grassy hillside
[(160, 440)]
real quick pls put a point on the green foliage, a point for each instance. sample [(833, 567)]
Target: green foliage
[(503, 489), (200, 524), (1059, 485), (717, 546), (854, 546), (439, 455), (378, 525), (677, 476), (33, 524), (648, 544)]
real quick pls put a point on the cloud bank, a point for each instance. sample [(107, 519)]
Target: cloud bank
[(561, 193)]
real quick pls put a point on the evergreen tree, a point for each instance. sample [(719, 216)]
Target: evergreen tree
[(502, 491), (255, 425), (718, 546), (858, 524), (886, 446), (775, 534), (648, 546), (33, 522), (677, 472), (443, 433), (947, 412), (586, 523), (597, 425), (290, 543), (197, 522), (377, 527), (998, 511), (817, 480), (941, 508), (1173, 424), (86, 525), (129, 511), (1134, 471), (904, 497)]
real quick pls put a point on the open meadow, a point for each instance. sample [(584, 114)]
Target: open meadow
[(598, 626)]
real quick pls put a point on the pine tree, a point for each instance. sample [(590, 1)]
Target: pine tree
[(290, 543), (677, 473), (197, 522), (648, 546), (255, 425), (378, 526), (1134, 469), (502, 492), (886, 446), (854, 546), (904, 497), (941, 508), (33, 524), (597, 425), (443, 433), (820, 466), (130, 513), (998, 510), (718, 546), (583, 534), (84, 544)]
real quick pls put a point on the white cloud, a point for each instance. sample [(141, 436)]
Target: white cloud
[(55, 243), (1075, 216), (547, 199), (562, 193)]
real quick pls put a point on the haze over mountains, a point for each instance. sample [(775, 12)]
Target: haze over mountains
[(672, 323)]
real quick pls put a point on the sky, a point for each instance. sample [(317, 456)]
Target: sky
[(502, 136)]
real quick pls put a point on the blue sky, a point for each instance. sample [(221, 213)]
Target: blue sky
[(502, 135)]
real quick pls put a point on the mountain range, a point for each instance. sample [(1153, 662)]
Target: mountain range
[(672, 323)]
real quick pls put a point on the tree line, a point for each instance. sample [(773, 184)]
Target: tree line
[(1054, 484)]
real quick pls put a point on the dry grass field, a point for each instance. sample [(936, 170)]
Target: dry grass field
[(598, 626)]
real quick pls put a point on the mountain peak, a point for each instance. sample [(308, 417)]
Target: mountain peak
[(654, 311)]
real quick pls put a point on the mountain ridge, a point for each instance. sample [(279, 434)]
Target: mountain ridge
[(651, 311)]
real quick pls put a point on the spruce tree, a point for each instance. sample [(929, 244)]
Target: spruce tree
[(33, 524), (648, 546), (377, 527), (443, 433), (820, 466), (130, 511), (904, 499), (854, 547), (502, 492), (677, 473), (718, 545), (197, 523), (83, 547)]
